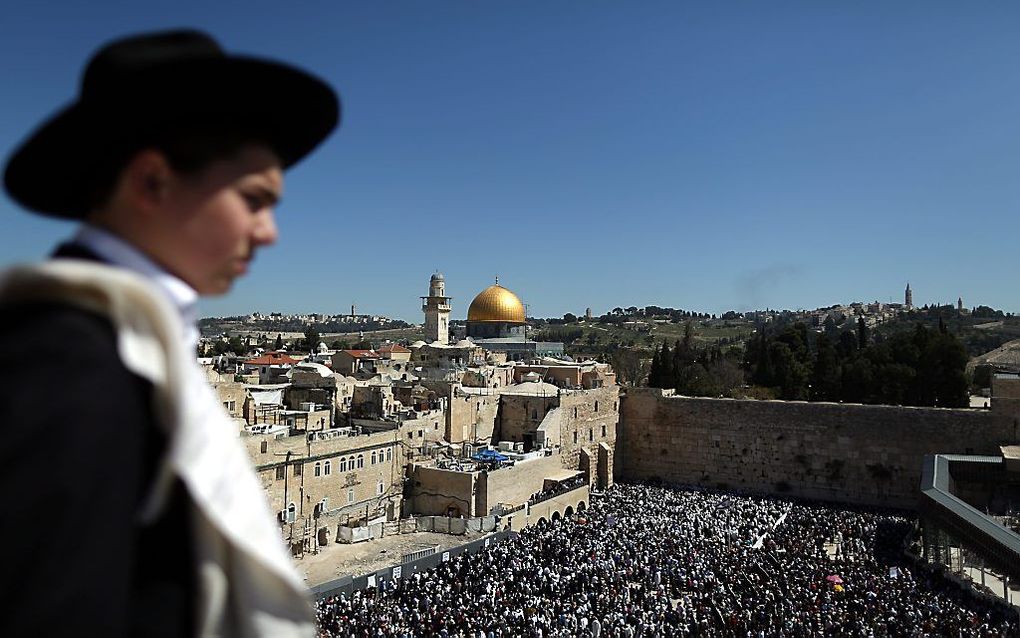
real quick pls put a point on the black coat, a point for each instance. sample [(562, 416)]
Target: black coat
[(79, 448)]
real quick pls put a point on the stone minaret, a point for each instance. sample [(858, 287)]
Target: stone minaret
[(959, 304), (437, 311), (908, 298)]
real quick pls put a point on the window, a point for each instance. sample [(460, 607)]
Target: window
[(575, 436), (291, 513), (591, 434), (421, 434), (325, 468), (373, 457), (350, 464), (318, 468), (297, 469), (379, 488), (410, 435), (264, 447), (350, 496), (603, 431), (534, 414), (281, 472), (389, 454), (361, 461), (575, 412), (596, 406), (343, 463)]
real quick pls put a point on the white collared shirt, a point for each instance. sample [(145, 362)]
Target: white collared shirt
[(120, 253)]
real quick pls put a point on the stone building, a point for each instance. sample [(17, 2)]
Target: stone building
[(580, 426), (319, 479)]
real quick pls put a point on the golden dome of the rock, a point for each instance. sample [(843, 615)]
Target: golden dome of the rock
[(496, 303)]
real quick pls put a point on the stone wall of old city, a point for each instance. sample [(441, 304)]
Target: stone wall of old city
[(864, 454), (589, 418)]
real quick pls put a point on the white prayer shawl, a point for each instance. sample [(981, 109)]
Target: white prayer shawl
[(247, 585)]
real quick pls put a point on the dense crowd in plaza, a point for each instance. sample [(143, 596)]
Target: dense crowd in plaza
[(647, 561)]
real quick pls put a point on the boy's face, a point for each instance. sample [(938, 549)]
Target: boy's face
[(214, 220)]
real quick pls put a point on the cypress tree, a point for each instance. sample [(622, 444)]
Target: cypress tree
[(679, 363), (862, 334), (655, 373), (666, 367)]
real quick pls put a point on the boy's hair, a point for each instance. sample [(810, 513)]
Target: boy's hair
[(188, 151)]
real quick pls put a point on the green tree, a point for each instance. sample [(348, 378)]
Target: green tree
[(825, 374), (791, 375), (858, 377), (655, 371), (862, 334), (312, 339), (666, 371)]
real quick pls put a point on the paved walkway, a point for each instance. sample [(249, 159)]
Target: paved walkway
[(338, 559)]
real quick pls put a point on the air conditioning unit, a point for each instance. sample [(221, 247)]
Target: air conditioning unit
[(287, 516)]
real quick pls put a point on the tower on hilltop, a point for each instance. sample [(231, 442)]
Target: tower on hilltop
[(437, 311), (908, 298)]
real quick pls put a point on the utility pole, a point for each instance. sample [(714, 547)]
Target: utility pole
[(286, 490)]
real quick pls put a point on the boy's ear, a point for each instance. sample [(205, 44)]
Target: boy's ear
[(146, 179)]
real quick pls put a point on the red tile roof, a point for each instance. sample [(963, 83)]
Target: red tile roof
[(362, 354), (391, 348), (274, 359)]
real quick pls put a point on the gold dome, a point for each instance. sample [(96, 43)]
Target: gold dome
[(496, 303)]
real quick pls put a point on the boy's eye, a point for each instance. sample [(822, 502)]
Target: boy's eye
[(254, 201)]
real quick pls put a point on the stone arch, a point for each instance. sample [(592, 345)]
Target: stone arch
[(542, 521), (568, 512), (556, 516), (581, 506)]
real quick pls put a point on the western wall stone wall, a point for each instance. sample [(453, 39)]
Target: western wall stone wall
[(851, 453)]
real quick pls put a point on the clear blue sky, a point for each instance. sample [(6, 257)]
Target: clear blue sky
[(709, 156)]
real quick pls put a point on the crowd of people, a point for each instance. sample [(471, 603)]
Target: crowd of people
[(557, 488), (651, 561)]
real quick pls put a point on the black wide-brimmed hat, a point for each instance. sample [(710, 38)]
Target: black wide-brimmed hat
[(138, 86)]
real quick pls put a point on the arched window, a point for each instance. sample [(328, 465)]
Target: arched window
[(389, 454), (343, 463), (373, 457), (318, 468), (325, 468), (350, 464), (361, 461)]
